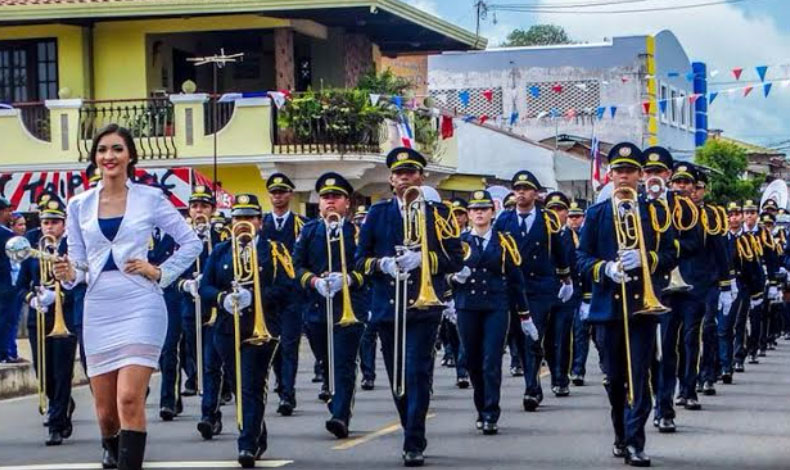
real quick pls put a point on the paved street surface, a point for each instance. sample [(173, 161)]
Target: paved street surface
[(746, 426)]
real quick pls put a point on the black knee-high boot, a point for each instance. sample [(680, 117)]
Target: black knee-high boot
[(110, 455), (131, 450)]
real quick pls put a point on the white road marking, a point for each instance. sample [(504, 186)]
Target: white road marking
[(148, 465)]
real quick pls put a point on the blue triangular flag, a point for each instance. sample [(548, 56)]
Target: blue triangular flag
[(673, 74), (690, 76), (535, 91), (464, 97), (554, 112), (767, 88), (662, 105), (613, 110), (469, 118), (761, 71), (513, 117), (397, 101), (599, 112), (713, 96)]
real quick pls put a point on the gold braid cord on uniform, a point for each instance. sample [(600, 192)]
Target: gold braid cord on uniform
[(724, 218), (756, 245), (509, 247), (767, 239), (445, 228), (281, 256), (705, 220), (658, 226), (298, 225), (552, 225), (745, 251), (678, 212)]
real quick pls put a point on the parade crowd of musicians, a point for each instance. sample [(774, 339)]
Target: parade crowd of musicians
[(675, 292)]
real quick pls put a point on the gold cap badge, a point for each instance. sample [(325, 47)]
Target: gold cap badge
[(625, 151), (244, 199), (478, 195)]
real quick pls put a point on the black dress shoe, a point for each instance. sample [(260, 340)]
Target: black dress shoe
[(226, 398), (490, 428), (562, 392), (337, 427), (189, 392), (517, 371), (636, 458), (285, 408), (762, 353), (54, 439), (318, 378), (208, 429), (246, 459), (699, 387), (166, 413), (666, 425), (462, 383), (726, 378), (692, 404), (67, 430), (577, 380), (708, 389), (618, 450), (530, 403), (110, 455), (753, 359), (413, 458), (324, 395), (368, 384), (655, 422), (738, 367), (450, 362), (479, 423), (680, 401), (179, 406)]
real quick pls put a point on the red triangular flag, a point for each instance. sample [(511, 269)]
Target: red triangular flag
[(693, 98), (624, 79), (570, 114), (489, 95), (646, 107), (747, 90), (737, 72), (483, 119), (557, 88)]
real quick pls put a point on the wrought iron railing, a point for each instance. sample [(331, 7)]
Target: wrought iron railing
[(151, 122), (319, 136), (35, 117), (224, 112)]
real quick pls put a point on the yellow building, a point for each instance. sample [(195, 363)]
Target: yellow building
[(67, 68)]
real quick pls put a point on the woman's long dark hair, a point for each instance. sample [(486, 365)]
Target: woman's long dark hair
[(126, 135)]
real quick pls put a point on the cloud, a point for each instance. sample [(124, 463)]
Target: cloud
[(723, 36), (428, 6)]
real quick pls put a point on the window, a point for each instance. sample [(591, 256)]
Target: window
[(662, 97), (28, 70), (683, 112), (673, 105)]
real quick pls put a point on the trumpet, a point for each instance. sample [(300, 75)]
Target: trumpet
[(629, 234), (415, 237), (333, 221)]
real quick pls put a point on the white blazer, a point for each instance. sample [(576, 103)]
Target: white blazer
[(146, 208)]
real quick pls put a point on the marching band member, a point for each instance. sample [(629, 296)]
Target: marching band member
[(626, 339), (491, 270), (582, 330), (367, 345), (514, 335), (125, 316), (772, 311), (454, 354), (380, 260), (546, 272), (221, 288), (59, 350), (558, 343), (324, 284), (284, 226)]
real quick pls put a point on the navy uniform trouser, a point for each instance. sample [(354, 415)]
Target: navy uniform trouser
[(483, 334), (742, 315), (709, 357), (367, 352), (581, 344), (515, 340), (413, 405), (346, 345), (558, 341), (540, 307), (672, 357), (255, 364), (286, 360), (756, 320), (169, 360), (726, 332), (59, 366), (628, 421), (188, 351), (453, 346), (693, 309), (216, 376)]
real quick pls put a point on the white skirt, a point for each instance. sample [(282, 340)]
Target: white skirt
[(123, 324)]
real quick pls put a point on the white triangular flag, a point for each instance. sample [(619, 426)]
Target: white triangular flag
[(713, 73), (278, 97), (374, 98), (581, 86), (632, 110)]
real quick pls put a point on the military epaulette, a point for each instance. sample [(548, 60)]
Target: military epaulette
[(281, 256), (510, 247)]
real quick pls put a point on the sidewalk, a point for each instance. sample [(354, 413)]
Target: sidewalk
[(20, 379)]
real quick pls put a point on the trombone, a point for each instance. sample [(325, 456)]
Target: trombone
[(415, 237), (629, 234), (334, 221), (202, 226), (246, 273)]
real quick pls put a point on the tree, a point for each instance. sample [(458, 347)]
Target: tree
[(729, 182), (538, 35)]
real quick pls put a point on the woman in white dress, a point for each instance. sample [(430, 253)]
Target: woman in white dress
[(125, 318)]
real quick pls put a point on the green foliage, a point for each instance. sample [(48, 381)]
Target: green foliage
[(538, 35), (730, 182), (426, 133), (385, 83)]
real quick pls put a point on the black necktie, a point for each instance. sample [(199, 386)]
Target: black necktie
[(479, 241), (279, 222), (524, 220)]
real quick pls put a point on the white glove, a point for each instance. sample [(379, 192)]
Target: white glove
[(529, 329), (725, 303), (191, 286), (43, 299), (754, 303), (734, 290), (566, 292), (773, 293), (336, 282), (584, 311), (409, 261), (243, 297), (613, 271), (782, 271), (449, 312), (389, 266), (631, 259), (324, 287), (461, 276)]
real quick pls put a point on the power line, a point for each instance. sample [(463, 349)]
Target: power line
[(559, 10)]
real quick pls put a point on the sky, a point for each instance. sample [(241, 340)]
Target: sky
[(745, 33)]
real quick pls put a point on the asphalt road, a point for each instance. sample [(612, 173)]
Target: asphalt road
[(746, 426)]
